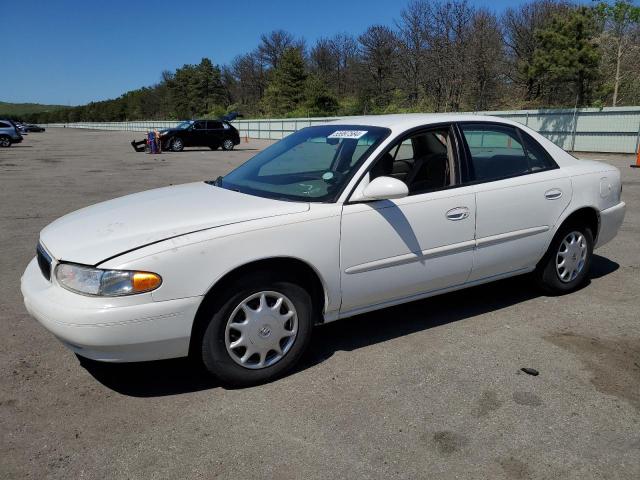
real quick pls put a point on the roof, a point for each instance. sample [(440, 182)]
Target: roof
[(403, 121)]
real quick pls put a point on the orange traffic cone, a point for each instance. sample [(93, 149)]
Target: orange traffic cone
[(637, 165)]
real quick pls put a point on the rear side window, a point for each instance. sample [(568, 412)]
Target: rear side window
[(499, 151), (4, 125), (211, 125)]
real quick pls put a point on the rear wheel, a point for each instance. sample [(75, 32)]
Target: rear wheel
[(5, 141), (177, 145), (259, 330), (565, 266), (227, 144)]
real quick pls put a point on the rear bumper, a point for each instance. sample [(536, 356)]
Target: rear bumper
[(110, 330), (610, 221)]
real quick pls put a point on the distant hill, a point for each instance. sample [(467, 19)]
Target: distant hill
[(19, 109)]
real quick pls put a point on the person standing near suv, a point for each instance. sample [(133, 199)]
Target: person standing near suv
[(196, 133), (9, 133)]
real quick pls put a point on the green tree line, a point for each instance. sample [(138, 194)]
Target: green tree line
[(437, 56)]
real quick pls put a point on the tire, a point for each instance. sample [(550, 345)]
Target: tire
[(227, 325), (228, 144), (573, 246), (5, 142), (177, 145)]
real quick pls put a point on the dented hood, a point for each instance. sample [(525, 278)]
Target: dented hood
[(101, 231)]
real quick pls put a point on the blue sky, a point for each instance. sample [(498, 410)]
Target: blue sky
[(71, 52)]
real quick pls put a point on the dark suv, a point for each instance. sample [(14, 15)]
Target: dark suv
[(197, 133), (9, 133)]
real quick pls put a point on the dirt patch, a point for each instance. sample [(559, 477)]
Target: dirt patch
[(614, 363), (528, 399), (488, 402), (449, 442), (514, 468)]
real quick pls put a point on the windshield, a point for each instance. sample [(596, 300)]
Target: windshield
[(311, 165), (184, 125)]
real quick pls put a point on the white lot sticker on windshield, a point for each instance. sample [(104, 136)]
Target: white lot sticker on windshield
[(348, 134)]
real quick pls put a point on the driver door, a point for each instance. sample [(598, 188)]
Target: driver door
[(196, 136), (395, 250)]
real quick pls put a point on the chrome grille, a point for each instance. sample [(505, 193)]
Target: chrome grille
[(44, 262)]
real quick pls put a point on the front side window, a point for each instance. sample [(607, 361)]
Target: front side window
[(199, 125), (424, 161), (496, 151), (312, 165)]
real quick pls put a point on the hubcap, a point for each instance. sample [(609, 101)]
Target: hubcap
[(177, 144), (4, 142), (261, 330), (228, 144), (571, 257)]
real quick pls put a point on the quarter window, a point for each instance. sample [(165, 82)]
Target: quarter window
[(539, 158), (4, 125)]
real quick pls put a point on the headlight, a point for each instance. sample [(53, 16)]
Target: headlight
[(108, 283)]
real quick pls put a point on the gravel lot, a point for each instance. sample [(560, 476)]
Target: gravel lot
[(431, 389)]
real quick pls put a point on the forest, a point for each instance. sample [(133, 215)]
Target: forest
[(437, 56)]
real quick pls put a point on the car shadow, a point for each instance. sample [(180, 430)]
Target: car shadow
[(209, 150), (178, 376)]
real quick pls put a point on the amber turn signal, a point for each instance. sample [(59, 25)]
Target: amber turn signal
[(145, 281)]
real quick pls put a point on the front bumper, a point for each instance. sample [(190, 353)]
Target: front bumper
[(610, 222), (122, 329)]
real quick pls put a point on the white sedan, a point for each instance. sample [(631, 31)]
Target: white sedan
[(332, 221)]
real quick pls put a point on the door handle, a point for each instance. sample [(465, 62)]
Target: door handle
[(553, 194), (458, 213)]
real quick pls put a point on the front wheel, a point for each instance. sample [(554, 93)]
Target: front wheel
[(260, 330), (5, 141), (566, 264), (227, 144)]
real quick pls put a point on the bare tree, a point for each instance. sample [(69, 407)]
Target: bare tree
[(412, 47), (335, 60), (274, 44), (448, 36), (486, 60), (378, 48), (620, 26), (249, 73)]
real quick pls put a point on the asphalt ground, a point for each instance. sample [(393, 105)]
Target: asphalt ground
[(430, 389)]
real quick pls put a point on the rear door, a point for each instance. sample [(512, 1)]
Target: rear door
[(520, 195), (215, 133)]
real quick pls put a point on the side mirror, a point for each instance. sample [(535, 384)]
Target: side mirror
[(385, 188)]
